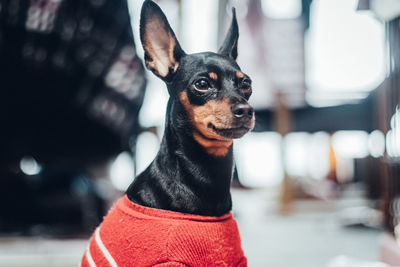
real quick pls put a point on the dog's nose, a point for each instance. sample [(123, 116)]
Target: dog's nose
[(242, 110)]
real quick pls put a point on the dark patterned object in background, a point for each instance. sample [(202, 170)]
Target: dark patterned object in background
[(71, 87), (390, 95)]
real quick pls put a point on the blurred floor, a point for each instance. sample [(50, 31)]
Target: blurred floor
[(311, 236), (40, 252)]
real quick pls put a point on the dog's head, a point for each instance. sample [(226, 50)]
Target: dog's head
[(211, 86)]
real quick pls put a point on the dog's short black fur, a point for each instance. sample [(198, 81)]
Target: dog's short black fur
[(207, 109)]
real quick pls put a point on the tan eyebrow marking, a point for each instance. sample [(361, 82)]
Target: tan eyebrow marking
[(213, 75), (239, 74)]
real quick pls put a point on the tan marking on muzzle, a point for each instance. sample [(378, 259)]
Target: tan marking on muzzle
[(217, 113)]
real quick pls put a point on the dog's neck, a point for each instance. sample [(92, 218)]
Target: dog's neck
[(184, 177)]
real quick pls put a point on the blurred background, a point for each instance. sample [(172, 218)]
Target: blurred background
[(316, 180)]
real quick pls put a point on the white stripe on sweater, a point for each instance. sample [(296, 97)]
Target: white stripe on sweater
[(103, 249), (89, 258)]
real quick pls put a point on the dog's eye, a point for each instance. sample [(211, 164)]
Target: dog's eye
[(202, 85)]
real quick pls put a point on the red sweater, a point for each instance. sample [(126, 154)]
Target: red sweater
[(134, 235)]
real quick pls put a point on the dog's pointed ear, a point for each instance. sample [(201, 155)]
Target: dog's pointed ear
[(230, 45), (162, 51)]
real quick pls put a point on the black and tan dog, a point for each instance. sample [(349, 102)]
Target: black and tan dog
[(177, 212)]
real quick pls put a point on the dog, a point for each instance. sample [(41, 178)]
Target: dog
[(178, 211)]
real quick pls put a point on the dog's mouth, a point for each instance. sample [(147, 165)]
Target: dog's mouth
[(231, 133)]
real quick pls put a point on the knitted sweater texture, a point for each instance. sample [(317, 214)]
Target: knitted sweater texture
[(134, 235)]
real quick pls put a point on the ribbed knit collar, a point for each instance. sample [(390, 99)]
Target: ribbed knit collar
[(136, 210)]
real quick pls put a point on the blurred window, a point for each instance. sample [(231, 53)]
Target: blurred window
[(281, 9), (307, 155), (350, 144), (344, 52), (258, 159)]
